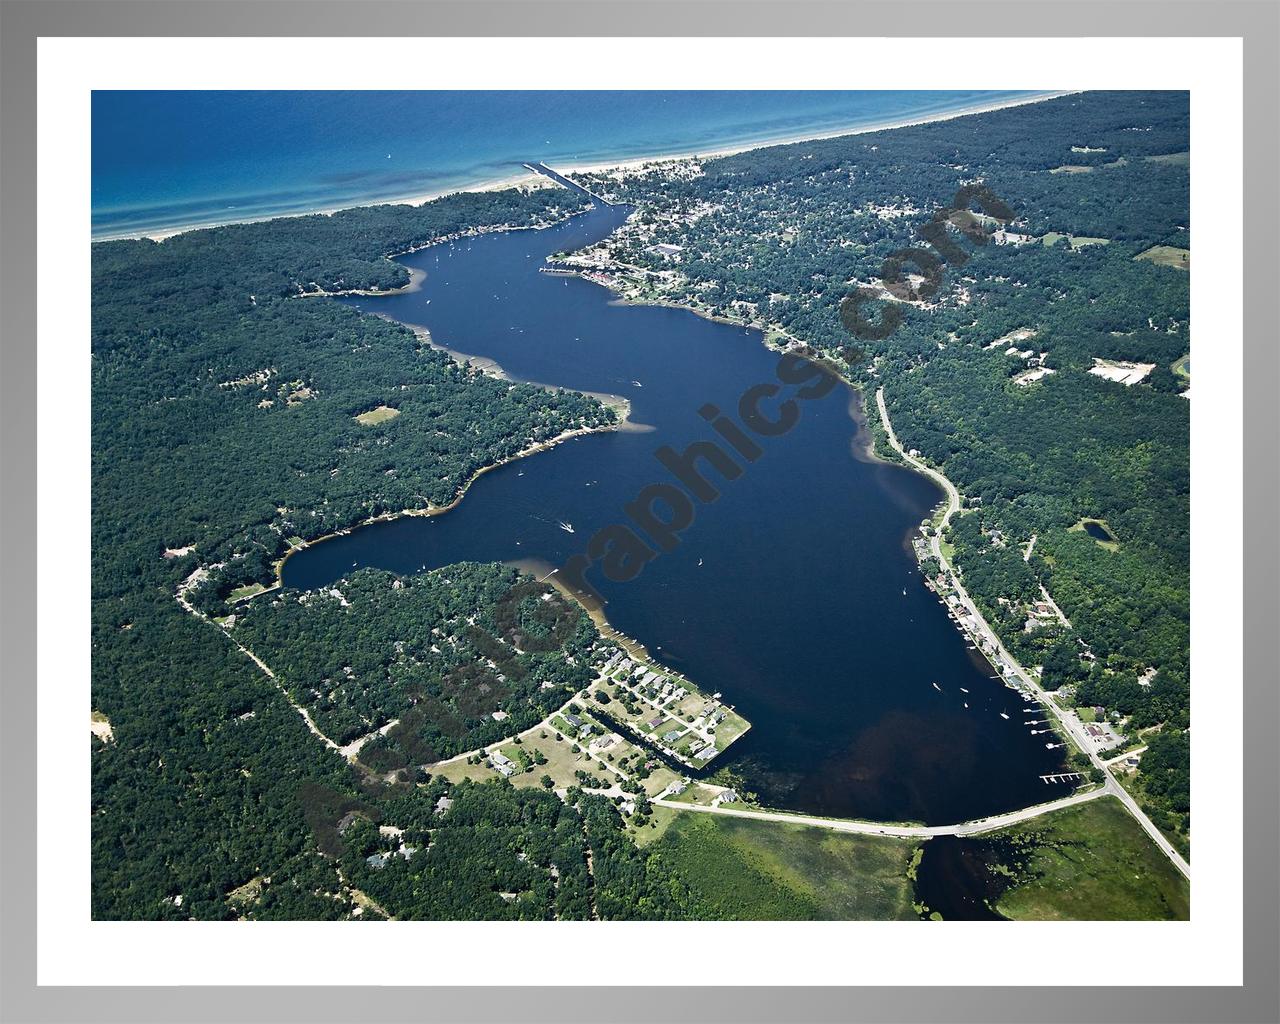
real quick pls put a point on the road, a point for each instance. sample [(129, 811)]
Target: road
[(1070, 725), (872, 828)]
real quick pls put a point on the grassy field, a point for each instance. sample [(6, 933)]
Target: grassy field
[(373, 417), (766, 870), (1093, 862), (733, 726), (1167, 256), (659, 821), (1170, 158), (562, 764), (702, 795), (1075, 241)]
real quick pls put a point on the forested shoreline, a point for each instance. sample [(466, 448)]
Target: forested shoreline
[(230, 422), (992, 372), (225, 430)]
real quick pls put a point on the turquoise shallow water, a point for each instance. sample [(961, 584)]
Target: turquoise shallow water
[(167, 159)]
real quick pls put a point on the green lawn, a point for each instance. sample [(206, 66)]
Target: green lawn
[(733, 726), (765, 870), (1093, 862)]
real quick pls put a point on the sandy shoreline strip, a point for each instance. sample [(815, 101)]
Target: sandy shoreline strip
[(529, 178), (744, 147)]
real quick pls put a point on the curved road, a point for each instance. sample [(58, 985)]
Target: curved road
[(1072, 727), (872, 828)]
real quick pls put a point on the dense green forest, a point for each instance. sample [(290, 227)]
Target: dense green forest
[(224, 429), (780, 237), (491, 851), (224, 405), (439, 653), (223, 424)]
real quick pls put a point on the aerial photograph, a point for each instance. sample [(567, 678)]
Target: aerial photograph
[(641, 505)]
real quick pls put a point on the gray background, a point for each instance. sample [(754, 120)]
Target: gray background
[(1258, 1000)]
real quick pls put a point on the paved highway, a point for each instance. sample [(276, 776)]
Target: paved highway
[(873, 828), (1069, 724)]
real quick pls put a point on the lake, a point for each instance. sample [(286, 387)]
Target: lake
[(795, 594), (1097, 531)]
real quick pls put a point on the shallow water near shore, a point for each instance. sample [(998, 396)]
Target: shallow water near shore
[(794, 594), (163, 159)]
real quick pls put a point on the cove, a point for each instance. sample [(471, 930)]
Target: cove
[(794, 594)]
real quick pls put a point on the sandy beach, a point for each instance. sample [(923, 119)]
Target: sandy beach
[(527, 178), (743, 147)]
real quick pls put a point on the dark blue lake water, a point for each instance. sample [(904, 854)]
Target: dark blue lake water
[(795, 594)]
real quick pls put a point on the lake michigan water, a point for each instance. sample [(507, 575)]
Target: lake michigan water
[(795, 594), (166, 159)]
